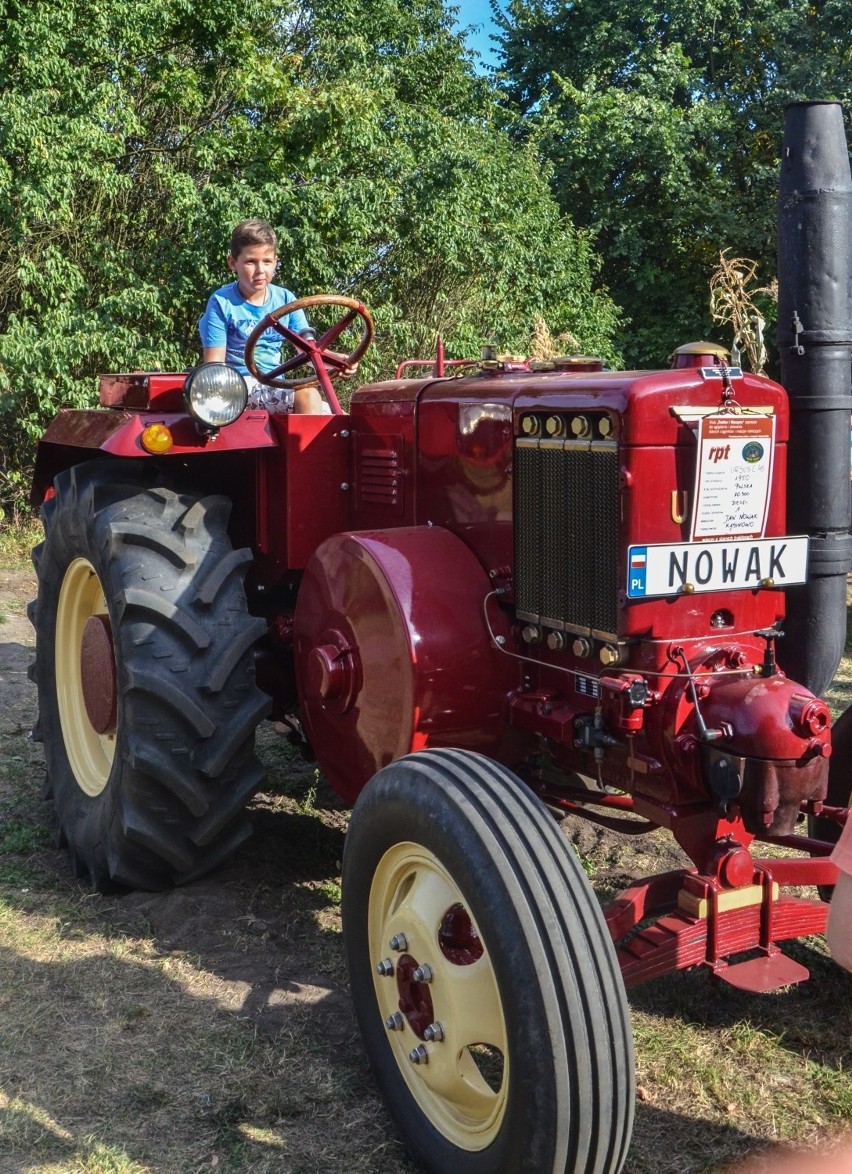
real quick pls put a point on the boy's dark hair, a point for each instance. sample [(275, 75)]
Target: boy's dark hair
[(252, 232)]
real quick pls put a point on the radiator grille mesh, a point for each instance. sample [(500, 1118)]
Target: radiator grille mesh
[(566, 534)]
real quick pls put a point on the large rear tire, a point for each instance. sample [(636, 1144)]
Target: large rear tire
[(145, 674), (510, 1047)]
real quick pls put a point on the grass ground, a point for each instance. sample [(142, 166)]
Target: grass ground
[(210, 1028)]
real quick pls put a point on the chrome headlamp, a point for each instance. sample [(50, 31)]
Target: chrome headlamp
[(215, 394)]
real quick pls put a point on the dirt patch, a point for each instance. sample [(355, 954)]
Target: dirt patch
[(17, 696), (230, 993)]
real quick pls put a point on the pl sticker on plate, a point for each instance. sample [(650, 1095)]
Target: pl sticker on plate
[(693, 567)]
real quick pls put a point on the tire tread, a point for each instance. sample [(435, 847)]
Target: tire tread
[(185, 765), (583, 1019)]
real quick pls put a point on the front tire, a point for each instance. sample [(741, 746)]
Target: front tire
[(484, 981), (145, 675)]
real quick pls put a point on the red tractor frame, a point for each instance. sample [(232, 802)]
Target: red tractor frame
[(482, 597)]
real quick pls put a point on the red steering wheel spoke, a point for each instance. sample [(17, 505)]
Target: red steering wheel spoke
[(297, 360), (334, 332), (289, 336)]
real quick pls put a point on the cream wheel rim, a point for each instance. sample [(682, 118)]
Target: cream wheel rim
[(90, 754), (457, 1067)]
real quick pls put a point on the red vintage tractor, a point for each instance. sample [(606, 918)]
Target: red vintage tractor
[(483, 596)]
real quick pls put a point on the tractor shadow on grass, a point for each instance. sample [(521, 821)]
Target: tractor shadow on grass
[(811, 1020), (129, 1057), (666, 1142), (211, 1020), (266, 924)]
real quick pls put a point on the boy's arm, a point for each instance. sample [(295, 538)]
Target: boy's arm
[(298, 322), (213, 331)]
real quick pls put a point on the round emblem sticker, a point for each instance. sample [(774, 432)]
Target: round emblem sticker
[(752, 452)]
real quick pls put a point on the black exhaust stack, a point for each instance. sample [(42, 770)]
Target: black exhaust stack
[(815, 339)]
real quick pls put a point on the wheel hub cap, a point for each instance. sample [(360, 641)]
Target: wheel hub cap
[(97, 669), (332, 671), (442, 990), (415, 1002)]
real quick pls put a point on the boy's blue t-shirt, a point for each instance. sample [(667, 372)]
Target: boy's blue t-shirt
[(229, 319)]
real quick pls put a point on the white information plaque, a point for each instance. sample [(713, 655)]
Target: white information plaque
[(734, 473)]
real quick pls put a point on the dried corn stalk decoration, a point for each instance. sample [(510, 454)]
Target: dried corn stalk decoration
[(543, 344), (731, 301)]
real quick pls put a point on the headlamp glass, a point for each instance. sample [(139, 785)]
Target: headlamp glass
[(215, 394)]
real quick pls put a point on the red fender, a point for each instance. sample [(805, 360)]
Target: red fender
[(385, 667), (79, 435)]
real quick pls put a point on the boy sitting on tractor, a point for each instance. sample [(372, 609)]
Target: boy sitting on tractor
[(234, 310)]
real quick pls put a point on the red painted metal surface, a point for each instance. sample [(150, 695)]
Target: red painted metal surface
[(457, 937), (767, 973), (401, 612), (782, 754), (415, 998), (143, 390), (648, 897), (464, 468), (674, 938), (679, 941), (384, 455), (801, 870), (117, 433), (313, 465)]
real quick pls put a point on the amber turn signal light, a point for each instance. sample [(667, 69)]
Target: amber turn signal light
[(156, 438)]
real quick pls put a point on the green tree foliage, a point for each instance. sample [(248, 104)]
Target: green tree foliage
[(663, 124), (133, 135)]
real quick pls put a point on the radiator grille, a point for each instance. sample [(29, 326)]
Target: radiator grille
[(566, 534)]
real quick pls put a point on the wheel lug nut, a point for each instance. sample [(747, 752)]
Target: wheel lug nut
[(435, 1031), (384, 968), (419, 1055), (395, 1022), (423, 973), (399, 942)]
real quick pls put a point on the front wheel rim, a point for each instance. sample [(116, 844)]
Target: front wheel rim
[(90, 753), (457, 1066)]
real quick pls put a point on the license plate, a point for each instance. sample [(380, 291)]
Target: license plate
[(687, 567)]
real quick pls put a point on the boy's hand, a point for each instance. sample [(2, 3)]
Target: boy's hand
[(347, 371)]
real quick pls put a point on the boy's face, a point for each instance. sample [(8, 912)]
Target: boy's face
[(254, 267)]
